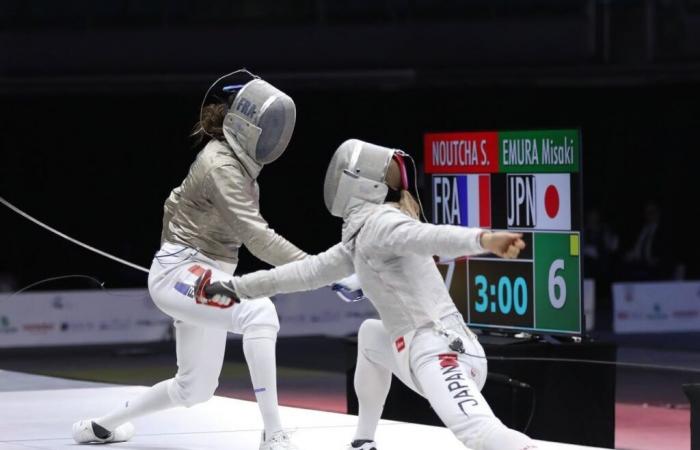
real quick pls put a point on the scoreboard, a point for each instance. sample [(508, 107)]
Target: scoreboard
[(523, 181)]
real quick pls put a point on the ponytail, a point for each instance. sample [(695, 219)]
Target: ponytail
[(408, 205), (211, 124)]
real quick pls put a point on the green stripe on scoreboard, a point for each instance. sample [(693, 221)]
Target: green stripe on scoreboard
[(552, 151), (557, 283)]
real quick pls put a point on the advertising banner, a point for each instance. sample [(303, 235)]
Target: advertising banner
[(128, 316), (657, 307), (114, 316)]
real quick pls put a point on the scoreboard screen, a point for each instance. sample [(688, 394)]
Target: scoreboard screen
[(524, 181)]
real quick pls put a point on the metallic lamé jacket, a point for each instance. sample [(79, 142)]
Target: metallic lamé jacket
[(216, 209)]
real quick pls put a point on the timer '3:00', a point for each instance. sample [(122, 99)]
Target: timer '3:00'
[(506, 296)]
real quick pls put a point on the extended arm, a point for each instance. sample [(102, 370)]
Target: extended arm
[(310, 273), (404, 235)]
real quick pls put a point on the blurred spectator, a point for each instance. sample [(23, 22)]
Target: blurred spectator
[(651, 257), (600, 246)]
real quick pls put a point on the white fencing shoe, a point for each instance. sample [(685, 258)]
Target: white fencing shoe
[(278, 441), (88, 431), (362, 445)]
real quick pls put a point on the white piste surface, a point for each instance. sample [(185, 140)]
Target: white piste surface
[(43, 419)]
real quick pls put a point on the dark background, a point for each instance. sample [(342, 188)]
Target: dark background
[(98, 100)]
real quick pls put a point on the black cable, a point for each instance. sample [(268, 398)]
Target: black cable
[(100, 284), (61, 277), (515, 384), (592, 361), (456, 345), (158, 256), (532, 409)]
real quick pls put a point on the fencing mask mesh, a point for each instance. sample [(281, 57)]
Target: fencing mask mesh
[(356, 172), (261, 119)]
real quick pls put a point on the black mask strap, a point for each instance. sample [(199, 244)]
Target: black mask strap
[(393, 196)]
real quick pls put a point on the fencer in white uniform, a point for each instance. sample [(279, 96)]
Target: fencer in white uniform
[(392, 254), (206, 220)]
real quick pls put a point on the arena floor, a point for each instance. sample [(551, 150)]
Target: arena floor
[(651, 412), (42, 418)]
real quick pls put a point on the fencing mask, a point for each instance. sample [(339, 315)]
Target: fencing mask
[(261, 119), (357, 172)]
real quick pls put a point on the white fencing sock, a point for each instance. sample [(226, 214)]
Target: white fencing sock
[(503, 438), (372, 383), (259, 349), (154, 399)]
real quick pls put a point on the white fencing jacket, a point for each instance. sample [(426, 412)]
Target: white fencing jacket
[(392, 255)]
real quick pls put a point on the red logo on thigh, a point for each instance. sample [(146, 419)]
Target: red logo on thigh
[(197, 270), (400, 344), (448, 360)]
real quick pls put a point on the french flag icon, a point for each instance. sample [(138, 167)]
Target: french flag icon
[(462, 200), (478, 201)]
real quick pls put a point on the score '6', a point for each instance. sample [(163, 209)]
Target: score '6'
[(555, 281)]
